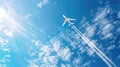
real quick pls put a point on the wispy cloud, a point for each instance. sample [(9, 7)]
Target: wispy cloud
[(28, 15), (111, 47), (5, 50), (77, 61), (90, 30), (87, 64), (63, 53), (42, 3), (66, 54), (90, 52), (9, 33), (3, 65), (63, 65), (119, 14), (3, 41), (44, 53), (102, 13), (106, 31)]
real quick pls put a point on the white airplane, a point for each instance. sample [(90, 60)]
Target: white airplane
[(67, 20)]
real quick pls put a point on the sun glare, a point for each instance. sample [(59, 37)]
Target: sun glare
[(10, 23), (7, 22), (2, 12)]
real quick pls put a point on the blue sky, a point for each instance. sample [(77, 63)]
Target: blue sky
[(31, 34)]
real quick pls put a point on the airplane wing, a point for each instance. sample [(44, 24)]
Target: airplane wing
[(64, 16), (72, 19), (63, 24)]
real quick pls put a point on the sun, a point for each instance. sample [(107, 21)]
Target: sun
[(2, 12), (5, 22), (11, 24)]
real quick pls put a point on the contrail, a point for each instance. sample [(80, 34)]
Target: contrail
[(94, 48)]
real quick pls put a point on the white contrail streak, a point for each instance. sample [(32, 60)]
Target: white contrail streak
[(94, 48)]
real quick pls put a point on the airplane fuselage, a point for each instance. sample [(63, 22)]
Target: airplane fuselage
[(67, 20)]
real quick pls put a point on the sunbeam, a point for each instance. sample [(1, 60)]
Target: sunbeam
[(12, 24)]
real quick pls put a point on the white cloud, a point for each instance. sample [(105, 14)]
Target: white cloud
[(4, 60), (90, 52), (63, 53), (77, 61), (56, 46), (36, 43), (102, 12), (108, 35), (66, 54), (33, 65), (68, 39), (103, 24), (87, 64), (65, 37), (106, 31), (63, 65), (9, 33), (6, 49), (111, 47), (90, 31), (28, 15), (43, 56), (53, 59), (42, 3), (46, 49), (7, 27), (3, 41), (50, 61), (107, 28)]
